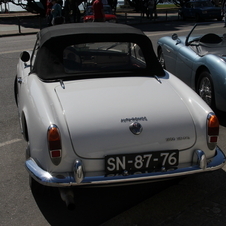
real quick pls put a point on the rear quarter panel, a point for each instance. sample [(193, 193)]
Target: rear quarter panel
[(198, 109), (41, 108)]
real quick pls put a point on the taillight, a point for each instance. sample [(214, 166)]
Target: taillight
[(54, 144), (212, 130)]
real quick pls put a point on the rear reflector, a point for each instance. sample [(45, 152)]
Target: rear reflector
[(213, 139), (55, 154)]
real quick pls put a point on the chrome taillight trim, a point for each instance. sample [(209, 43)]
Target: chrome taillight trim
[(211, 145)]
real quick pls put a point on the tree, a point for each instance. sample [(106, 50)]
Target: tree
[(138, 5), (29, 5), (180, 3), (38, 7)]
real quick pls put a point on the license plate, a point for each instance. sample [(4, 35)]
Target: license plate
[(141, 161)]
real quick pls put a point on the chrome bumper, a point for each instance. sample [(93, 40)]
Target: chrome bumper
[(78, 178)]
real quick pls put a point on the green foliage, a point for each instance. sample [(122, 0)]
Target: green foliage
[(166, 6)]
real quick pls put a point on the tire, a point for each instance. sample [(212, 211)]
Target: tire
[(205, 88), (27, 153), (161, 58), (15, 90)]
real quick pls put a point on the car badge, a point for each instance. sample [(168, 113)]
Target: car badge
[(136, 128)]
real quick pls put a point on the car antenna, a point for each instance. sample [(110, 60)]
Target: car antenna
[(157, 78), (62, 84)]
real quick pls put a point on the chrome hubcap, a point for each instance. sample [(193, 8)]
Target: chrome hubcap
[(205, 90)]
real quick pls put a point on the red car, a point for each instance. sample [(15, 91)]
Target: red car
[(109, 16)]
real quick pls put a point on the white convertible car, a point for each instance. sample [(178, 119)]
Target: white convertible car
[(96, 108)]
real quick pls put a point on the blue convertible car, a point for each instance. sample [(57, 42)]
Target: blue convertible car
[(199, 59)]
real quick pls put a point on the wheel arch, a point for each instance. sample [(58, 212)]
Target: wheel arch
[(197, 74)]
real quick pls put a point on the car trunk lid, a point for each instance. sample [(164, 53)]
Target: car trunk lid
[(99, 113)]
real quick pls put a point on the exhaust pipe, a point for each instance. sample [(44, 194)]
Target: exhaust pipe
[(67, 195)]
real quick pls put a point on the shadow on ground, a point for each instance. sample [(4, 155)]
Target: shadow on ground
[(95, 206), (27, 22)]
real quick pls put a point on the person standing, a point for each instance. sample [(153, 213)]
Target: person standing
[(49, 16), (56, 12), (98, 11), (224, 12), (151, 5)]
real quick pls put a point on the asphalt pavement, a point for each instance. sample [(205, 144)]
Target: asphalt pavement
[(197, 200)]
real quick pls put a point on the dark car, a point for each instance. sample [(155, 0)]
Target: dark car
[(200, 10)]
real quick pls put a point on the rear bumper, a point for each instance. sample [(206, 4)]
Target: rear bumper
[(78, 178)]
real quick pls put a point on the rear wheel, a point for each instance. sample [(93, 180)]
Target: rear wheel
[(205, 88), (161, 58), (15, 90)]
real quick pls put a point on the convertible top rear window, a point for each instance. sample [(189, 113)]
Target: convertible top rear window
[(71, 52), (103, 56)]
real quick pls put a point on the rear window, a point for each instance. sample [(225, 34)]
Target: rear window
[(103, 56)]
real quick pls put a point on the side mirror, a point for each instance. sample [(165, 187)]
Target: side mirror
[(25, 56), (174, 36)]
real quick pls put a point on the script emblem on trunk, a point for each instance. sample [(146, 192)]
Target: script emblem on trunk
[(136, 128)]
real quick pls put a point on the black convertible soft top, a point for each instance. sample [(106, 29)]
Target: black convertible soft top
[(56, 38), (86, 28)]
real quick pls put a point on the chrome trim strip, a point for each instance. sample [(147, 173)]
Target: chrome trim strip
[(68, 179)]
